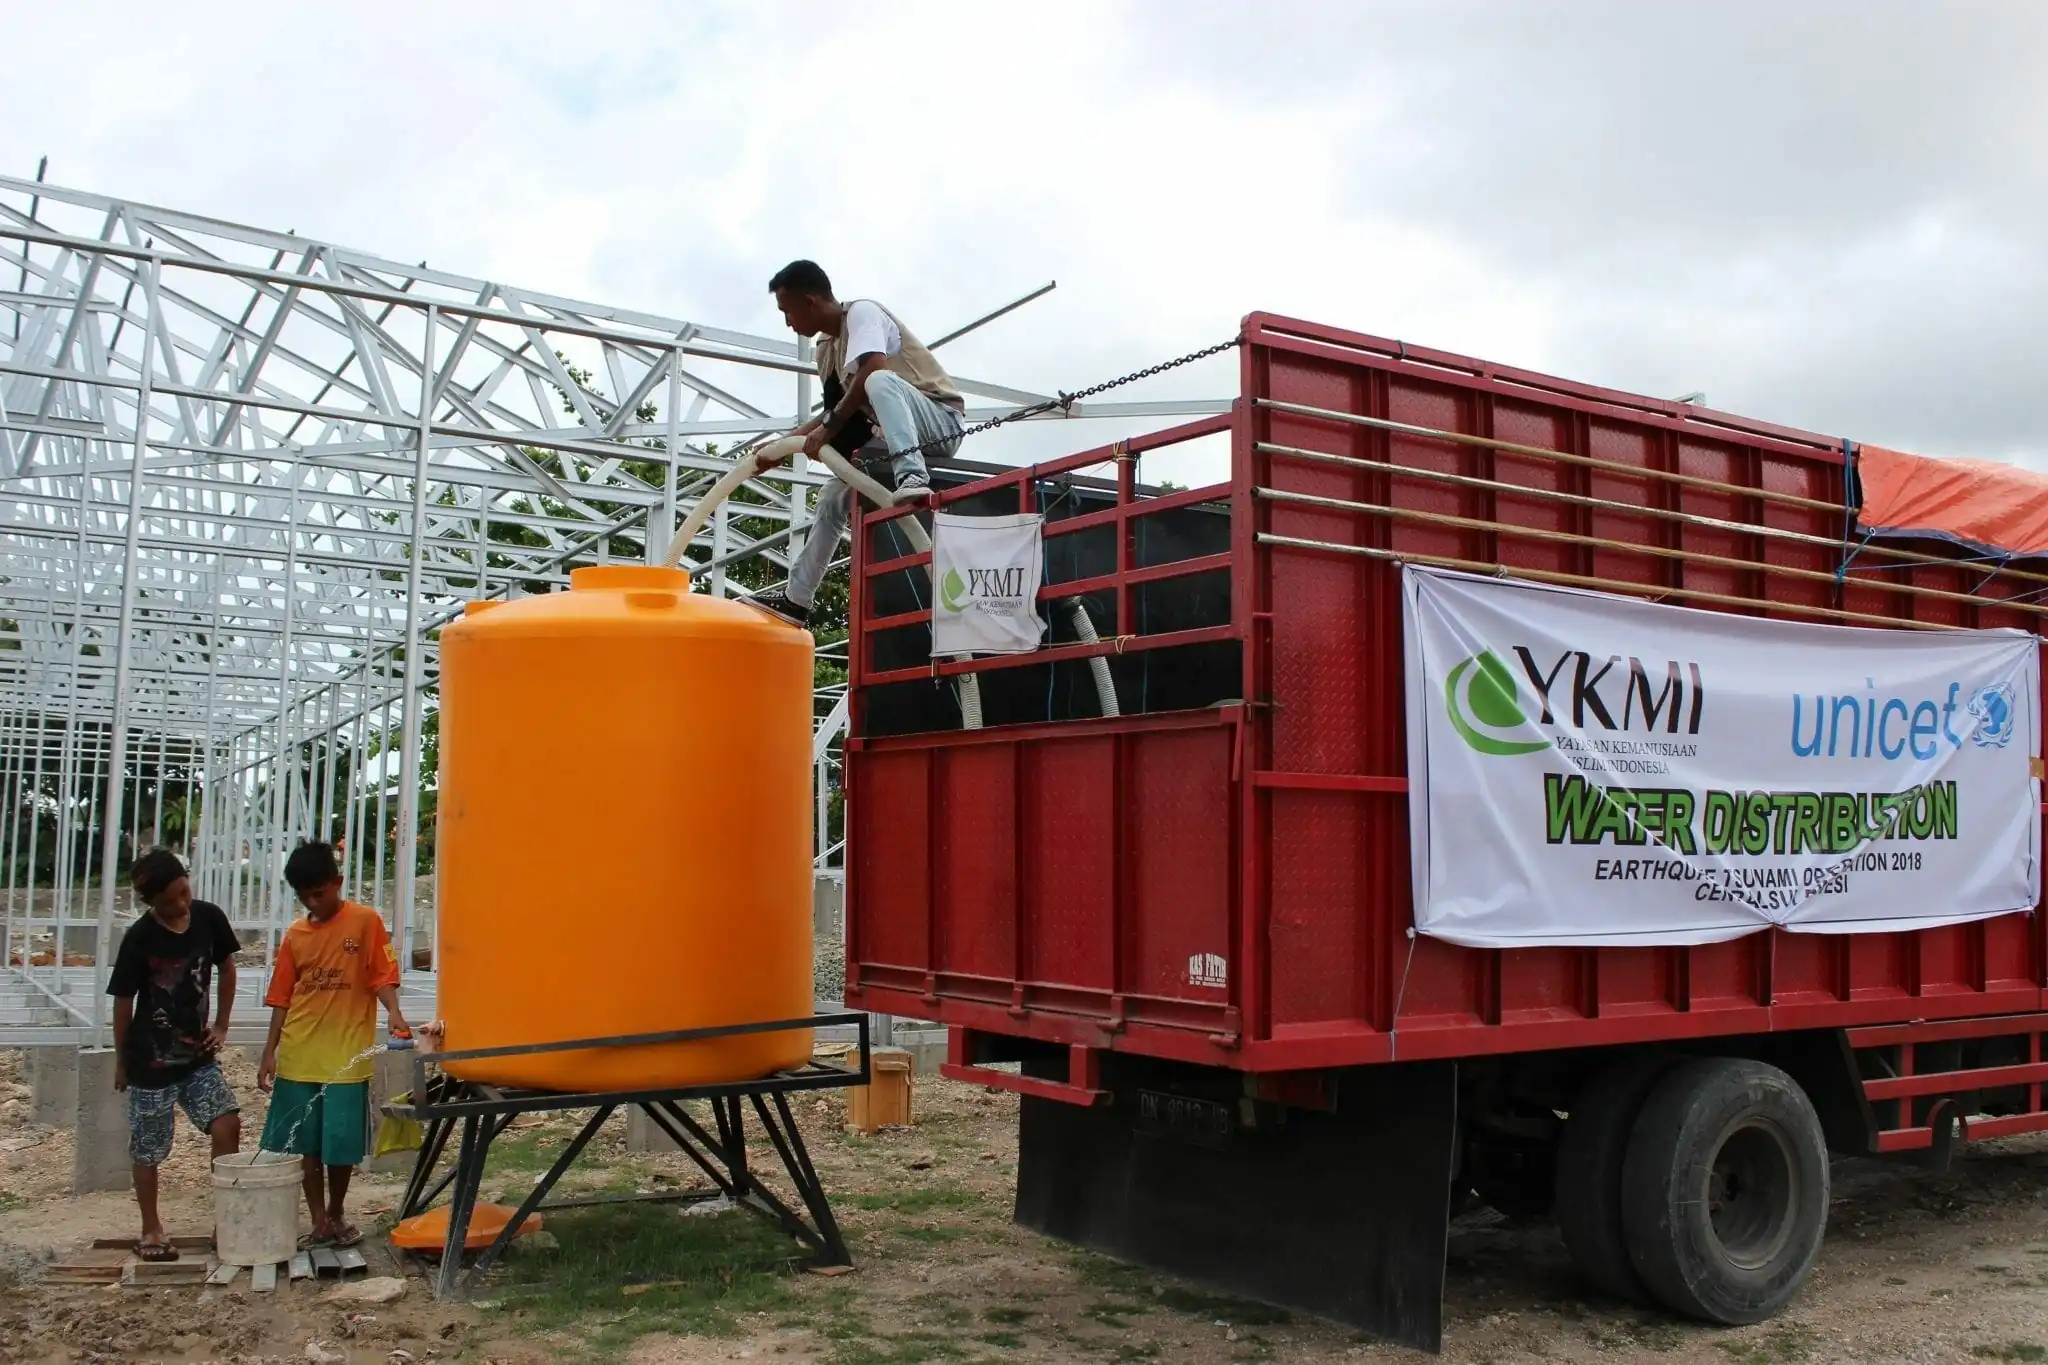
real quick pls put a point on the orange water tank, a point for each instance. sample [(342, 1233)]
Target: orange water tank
[(624, 832)]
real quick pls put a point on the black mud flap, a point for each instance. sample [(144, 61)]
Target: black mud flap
[(1342, 1214)]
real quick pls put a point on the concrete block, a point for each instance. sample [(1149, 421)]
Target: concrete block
[(99, 1135), (927, 1051), (828, 906), (643, 1134), (53, 1086)]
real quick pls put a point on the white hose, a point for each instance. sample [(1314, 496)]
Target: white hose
[(745, 469), (1105, 686), (967, 685), (853, 477)]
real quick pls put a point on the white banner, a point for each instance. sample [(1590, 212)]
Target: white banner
[(1589, 769), (986, 573)]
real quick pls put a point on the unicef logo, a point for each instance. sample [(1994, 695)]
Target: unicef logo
[(1995, 711)]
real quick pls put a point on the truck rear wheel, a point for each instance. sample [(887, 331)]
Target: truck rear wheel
[(1724, 1190), (1589, 1161)]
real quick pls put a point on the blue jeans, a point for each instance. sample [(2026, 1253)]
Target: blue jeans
[(908, 419)]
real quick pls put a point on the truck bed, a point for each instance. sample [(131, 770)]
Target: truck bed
[(1220, 874)]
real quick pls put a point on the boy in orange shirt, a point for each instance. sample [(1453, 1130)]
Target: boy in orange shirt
[(332, 969)]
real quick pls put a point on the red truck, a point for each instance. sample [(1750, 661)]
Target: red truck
[(1182, 897)]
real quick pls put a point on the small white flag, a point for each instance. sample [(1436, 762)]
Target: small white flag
[(986, 573)]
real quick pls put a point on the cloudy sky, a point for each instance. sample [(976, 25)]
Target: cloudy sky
[(1829, 215)]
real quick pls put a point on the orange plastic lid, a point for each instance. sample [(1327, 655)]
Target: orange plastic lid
[(429, 1231)]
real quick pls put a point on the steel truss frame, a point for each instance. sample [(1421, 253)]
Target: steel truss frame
[(244, 476)]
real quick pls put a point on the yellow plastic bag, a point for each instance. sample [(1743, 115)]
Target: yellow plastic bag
[(395, 1134)]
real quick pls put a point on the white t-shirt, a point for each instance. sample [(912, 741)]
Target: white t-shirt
[(868, 330)]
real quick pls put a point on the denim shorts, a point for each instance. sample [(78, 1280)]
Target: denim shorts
[(152, 1113)]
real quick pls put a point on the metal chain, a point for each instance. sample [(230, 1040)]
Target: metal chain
[(1066, 401)]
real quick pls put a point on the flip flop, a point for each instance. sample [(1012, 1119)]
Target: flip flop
[(347, 1235), (155, 1251), (308, 1241)]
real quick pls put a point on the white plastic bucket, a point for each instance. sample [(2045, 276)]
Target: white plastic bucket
[(255, 1208)]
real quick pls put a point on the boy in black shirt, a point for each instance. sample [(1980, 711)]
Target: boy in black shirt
[(165, 1048)]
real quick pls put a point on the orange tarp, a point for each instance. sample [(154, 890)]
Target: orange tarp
[(1992, 506)]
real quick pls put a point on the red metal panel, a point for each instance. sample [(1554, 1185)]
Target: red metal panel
[(1322, 890), (1318, 665), (1275, 836), (1070, 902), (975, 883), (1180, 856), (1806, 968), (887, 817)]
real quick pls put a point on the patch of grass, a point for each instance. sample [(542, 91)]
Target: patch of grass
[(910, 1348), (2011, 1350), (1002, 1341), (1994, 1270), (1224, 1307), (1779, 1346), (1895, 1281), (944, 1308), (627, 1180), (1007, 1317), (1640, 1334), (841, 1319), (10, 1201), (1116, 1310), (698, 1273), (1100, 1272), (920, 1232), (532, 1150), (916, 1199)]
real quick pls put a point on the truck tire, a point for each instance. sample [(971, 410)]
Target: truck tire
[(1589, 1159), (1724, 1191)]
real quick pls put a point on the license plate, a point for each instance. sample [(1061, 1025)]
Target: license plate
[(1204, 1122)]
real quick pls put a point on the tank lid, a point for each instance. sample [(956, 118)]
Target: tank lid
[(617, 576), (478, 607)]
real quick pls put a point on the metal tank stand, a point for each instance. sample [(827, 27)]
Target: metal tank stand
[(441, 1102)]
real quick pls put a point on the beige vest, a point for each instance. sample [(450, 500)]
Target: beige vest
[(912, 362)]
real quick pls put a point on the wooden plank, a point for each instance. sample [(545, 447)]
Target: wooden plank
[(160, 1274), (223, 1276), (302, 1266), (263, 1278), (184, 1241), (96, 1274)]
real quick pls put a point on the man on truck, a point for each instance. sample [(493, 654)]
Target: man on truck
[(876, 375)]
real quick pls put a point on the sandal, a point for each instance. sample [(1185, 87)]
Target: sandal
[(347, 1235), (155, 1251), (310, 1241)]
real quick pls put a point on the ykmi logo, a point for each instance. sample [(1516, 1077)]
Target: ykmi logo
[(1208, 969), (1483, 696), (957, 591)]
